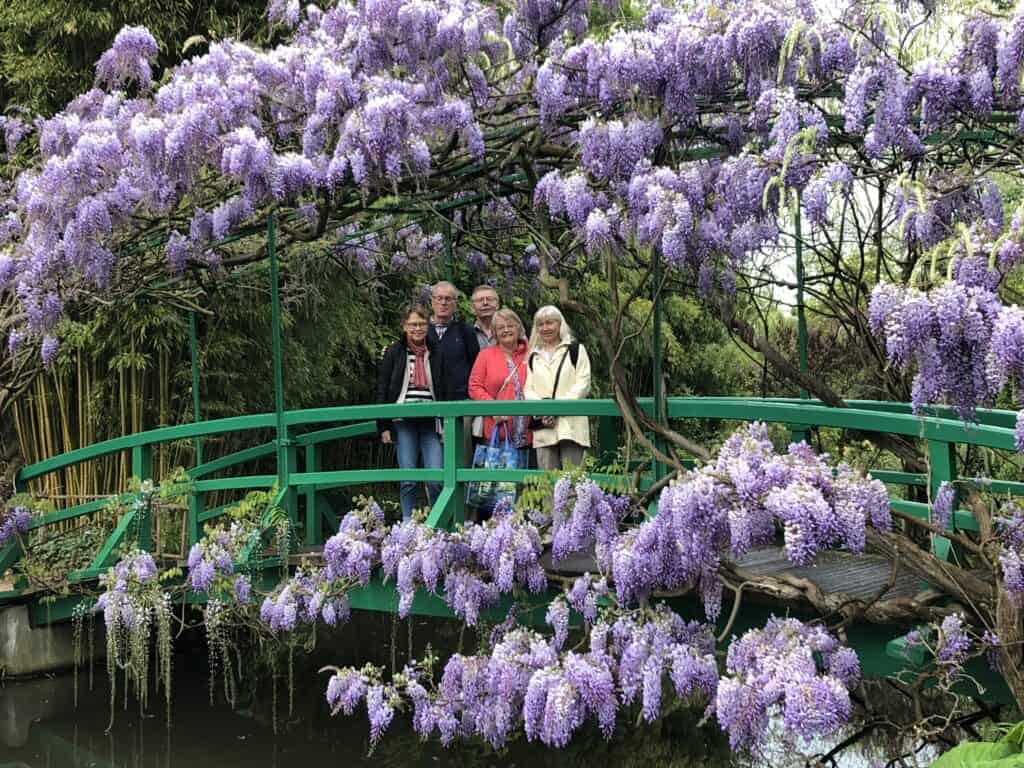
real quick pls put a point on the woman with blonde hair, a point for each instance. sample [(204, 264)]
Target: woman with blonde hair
[(558, 367)]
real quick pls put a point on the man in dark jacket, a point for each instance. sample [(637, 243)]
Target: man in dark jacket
[(458, 345), (455, 339)]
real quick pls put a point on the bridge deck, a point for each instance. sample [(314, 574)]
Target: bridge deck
[(860, 576)]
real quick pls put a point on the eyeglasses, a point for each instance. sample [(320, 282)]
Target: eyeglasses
[(415, 325), (444, 299)]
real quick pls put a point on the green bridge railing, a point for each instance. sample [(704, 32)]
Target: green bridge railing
[(300, 488), (942, 430), (301, 477)]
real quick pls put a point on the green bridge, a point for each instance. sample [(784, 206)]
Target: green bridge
[(301, 478)]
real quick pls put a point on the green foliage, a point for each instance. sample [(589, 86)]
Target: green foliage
[(1005, 753), (48, 48), (48, 561)]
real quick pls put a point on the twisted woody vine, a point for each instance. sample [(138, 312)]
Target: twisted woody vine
[(692, 141)]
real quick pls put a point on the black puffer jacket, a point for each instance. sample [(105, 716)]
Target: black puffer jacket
[(391, 375)]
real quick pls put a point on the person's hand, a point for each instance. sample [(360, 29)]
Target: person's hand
[(385, 437), (548, 421)]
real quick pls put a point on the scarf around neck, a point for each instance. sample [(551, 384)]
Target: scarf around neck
[(419, 366)]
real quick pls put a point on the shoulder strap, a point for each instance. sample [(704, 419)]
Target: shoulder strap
[(574, 352), (529, 361), (558, 373)]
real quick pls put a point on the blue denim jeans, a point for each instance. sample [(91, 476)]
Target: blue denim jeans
[(413, 438)]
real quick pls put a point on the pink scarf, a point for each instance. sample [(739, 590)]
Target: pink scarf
[(419, 367)]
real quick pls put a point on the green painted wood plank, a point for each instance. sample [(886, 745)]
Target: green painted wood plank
[(997, 486), (79, 510), (245, 482), (104, 559), (520, 475), (231, 460), (358, 476), (87, 574), (314, 528), (941, 430), (995, 429), (216, 512), (337, 433), (899, 478), (454, 427), (440, 513), (963, 519), (161, 435), (10, 555)]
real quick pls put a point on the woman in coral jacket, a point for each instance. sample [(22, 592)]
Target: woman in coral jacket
[(499, 373)]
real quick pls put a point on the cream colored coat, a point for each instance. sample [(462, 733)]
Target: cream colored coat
[(573, 384)]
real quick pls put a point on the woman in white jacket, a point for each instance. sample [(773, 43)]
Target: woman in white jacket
[(557, 367)]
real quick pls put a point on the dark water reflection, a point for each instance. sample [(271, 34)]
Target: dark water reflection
[(41, 728)]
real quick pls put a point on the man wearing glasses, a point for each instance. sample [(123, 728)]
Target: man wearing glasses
[(455, 339), (485, 303)]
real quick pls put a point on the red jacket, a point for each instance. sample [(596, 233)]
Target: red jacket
[(490, 380)]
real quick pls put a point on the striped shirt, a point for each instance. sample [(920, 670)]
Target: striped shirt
[(416, 394)]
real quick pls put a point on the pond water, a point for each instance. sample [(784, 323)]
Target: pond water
[(41, 726)]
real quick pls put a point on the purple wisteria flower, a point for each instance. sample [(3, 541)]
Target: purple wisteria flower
[(211, 561), (14, 522), (129, 59), (776, 670), (725, 508)]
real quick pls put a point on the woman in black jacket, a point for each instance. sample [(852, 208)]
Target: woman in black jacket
[(411, 372)]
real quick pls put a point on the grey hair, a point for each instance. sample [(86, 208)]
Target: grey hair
[(546, 313), (509, 315), (443, 284)]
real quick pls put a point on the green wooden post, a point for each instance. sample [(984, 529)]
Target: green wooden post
[(193, 345), (142, 468), (286, 452), (942, 463), (196, 507), (452, 493), (607, 438), (449, 266), (196, 499), (799, 431), (313, 523), (657, 467)]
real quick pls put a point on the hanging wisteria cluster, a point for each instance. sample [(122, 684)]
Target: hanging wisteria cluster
[(738, 502), (321, 593), (529, 681), (363, 100), (962, 343), (136, 610), (1011, 535), (630, 647), (212, 561), (789, 666), (14, 521)]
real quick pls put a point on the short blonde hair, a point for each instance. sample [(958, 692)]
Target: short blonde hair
[(547, 313), (509, 316)]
